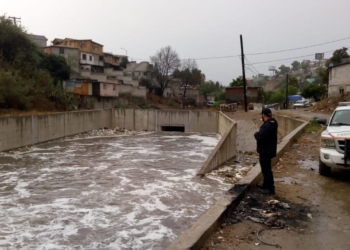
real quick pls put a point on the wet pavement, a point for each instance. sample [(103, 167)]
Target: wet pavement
[(136, 192)]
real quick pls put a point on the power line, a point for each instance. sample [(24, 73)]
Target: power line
[(252, 65), (265, 53), (305, 47), (290, 58)]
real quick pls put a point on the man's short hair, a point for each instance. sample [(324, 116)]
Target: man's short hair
[(266, 111)]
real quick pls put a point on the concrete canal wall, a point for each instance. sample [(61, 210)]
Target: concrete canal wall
[(226, 148), (22, 131)]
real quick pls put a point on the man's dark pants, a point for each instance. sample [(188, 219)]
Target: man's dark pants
[(266, 169)]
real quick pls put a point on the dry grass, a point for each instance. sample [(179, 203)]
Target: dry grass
[(329, 104)]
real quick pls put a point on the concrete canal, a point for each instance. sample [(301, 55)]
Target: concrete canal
[(127, 192)]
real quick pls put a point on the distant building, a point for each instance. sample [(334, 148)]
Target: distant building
[(97, 80), (41, 41), (69, 53), (339, 78), (236, 94)]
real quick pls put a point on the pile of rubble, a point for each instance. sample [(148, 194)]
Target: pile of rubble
[(235, 170), (259, 208), (229, 175)]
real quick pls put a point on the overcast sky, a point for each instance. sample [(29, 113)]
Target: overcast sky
[(194, 28)]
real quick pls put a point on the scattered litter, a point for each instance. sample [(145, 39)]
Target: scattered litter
[(257, 244), (272, 202), (279, 204), (228, 174), (254, 219), (309, 215)]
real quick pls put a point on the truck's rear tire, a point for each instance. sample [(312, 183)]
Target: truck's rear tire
[(323, 169)]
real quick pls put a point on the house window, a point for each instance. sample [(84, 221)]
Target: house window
[(90, 58), (104, 86), (62, 51), (341, 90), (84, 56), (101, 58), (95, 47), (113, 87), (82, 45)]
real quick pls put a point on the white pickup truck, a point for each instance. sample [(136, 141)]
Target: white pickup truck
[(335, 140)]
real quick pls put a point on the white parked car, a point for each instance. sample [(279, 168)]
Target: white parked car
[(335, 140), (301, 104)]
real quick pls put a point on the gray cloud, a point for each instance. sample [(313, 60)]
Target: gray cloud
[(194, 28)]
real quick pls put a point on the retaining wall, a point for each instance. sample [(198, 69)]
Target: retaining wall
[(22, 131), (225, 149)]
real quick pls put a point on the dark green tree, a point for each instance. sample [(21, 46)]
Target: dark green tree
[(236, 82), (283, 69), (315, 91), (305, 67), (295, 65), (57, 67), (338, 55)]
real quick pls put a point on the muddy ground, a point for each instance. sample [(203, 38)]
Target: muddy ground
[(313, 210)]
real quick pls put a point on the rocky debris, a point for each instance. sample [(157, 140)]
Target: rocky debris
[(272, 213), (329, 104), (235, 170), (229, 175)]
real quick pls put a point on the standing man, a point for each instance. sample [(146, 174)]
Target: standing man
[(266, 139)]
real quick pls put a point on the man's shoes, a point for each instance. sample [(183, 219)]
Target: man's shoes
[(267, 192), (261, 186)]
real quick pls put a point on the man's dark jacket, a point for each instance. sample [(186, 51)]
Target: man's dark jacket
[(267, 138)]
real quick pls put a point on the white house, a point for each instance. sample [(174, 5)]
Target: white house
[(339, 78)]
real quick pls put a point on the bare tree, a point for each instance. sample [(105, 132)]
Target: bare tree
[(189, 74), (165, 61)]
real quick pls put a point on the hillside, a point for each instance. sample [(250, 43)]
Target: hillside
[(329, 104), (271, 84)]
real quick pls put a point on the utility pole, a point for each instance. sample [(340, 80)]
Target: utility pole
[(243, 72), (15, 19), (287, 91)]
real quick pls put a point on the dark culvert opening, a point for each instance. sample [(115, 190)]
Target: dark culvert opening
[(173, 128)]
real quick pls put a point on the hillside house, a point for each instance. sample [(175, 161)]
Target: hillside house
[(339, 78), (236, 94)]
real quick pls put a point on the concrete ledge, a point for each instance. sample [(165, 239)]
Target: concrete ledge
[(196, 236), (225, 150)]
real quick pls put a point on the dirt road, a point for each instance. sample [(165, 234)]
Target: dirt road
[(319, 213)]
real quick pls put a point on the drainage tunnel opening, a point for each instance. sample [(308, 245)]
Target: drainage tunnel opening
[(173, 128)]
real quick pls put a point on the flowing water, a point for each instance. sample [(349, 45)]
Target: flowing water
[(136, 192)]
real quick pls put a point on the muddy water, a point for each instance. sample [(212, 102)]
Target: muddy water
[(105, 193)]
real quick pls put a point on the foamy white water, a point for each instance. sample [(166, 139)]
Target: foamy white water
[(135, 192)]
